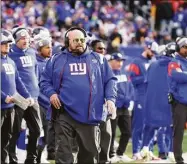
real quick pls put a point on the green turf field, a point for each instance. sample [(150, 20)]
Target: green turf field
[(129, 147)]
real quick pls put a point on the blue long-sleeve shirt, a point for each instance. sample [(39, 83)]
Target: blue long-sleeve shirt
[(43, 100), (123, 90), (10, 82), (157, 109), (177, 78), (26, 63), (137, 75)]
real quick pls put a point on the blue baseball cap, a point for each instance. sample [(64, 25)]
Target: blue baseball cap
[(117, 56)]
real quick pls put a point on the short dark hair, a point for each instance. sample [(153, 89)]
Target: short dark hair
[(94, 42)]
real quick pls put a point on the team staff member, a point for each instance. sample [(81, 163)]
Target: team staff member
[(25, 60), (157, 116), (10, 82), (137, 75), (78, 81), (105, 126), (177, 73), (40, 33), (43, 45), (123, 119)]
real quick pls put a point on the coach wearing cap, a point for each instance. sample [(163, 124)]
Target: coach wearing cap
[(177, 73), (10, 84), (25, 60), (123, 120)]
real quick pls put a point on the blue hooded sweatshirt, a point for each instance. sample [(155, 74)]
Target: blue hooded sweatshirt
[(157, 109), (137, 70), (43, 100), (177, 78), (10, 82), (137, 75), (27, 67), (82, 83)]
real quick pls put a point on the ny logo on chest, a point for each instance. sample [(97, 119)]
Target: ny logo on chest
[(26, 61), (9, 69), (77, 68)]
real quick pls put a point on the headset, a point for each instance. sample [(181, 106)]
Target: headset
[(19, 29), (170, 49), (177, 41), (66, 40)]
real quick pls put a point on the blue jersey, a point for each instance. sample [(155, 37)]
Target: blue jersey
[(177, 78), (157, 109)]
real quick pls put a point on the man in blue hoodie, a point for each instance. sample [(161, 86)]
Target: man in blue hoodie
[(123, 119), (157, 115), (41, 36), (137, 75), (10, 84), (25, 60), (105, 126), (78, 82), (43, 45), (177, 80)]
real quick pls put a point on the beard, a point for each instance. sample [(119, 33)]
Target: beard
[(78, 50)]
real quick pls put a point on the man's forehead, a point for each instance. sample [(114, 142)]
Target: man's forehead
[(76, 34), (100, 44)]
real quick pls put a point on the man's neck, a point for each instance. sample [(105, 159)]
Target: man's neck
[(41, 55)]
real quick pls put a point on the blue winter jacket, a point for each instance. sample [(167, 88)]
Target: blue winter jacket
[(123, 90), (82, 83), (137, 75), (177, 78), (43, 100), (26, 63), (10, 82), (157, 108)]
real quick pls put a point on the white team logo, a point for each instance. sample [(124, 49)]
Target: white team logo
[(94, 60), (9, 69), (26, 61), (121, 78), (78, 68)]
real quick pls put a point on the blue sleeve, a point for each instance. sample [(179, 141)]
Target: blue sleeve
[(3, 96), (46, 85), (20, 87), (179, 77), (110, 80), (175, 73), (135, 75)]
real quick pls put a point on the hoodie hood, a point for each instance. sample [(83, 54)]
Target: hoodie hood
[(40, 58), (164, 60)]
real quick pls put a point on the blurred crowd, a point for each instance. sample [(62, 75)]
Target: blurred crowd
[(117, 23)]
